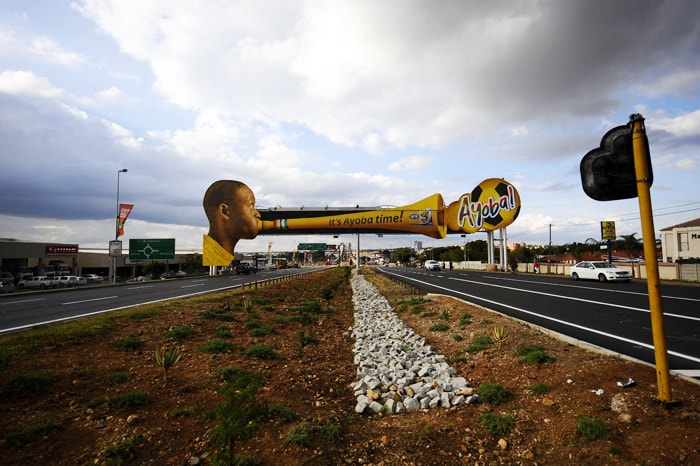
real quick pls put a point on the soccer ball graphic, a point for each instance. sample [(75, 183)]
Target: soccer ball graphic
[(497, 204)]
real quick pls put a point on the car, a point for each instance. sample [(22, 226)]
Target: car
[(140, 278), (6, 287), (432, 265), (92, 278), (180, 274), (41, 282), (80, 281), (67, 281), (245, 268), (599, 270), (7, 277)]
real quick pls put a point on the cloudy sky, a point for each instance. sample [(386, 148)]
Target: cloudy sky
[(315, 103)]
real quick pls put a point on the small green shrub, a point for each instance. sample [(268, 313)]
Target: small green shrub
[(479, 343), (117, 378), (261, 351), (299, 434), (539, 389), (497, 424), (592, 428), (465, 319), (439, 328), (492, 393), (457, 337), (217, 346), (533, 354), (129, 343), (33, 382), (131, 399), (32, 433), (223, 331), (217, 314), (428, 314), (122, 453), (262, 331), (180, 333), (283, 413)]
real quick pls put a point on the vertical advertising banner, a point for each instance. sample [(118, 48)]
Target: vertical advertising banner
[(124, 211)]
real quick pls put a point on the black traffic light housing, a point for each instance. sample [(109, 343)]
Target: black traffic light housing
[(607, 172)]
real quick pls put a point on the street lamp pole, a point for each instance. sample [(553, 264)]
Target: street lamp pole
[(116, 232)]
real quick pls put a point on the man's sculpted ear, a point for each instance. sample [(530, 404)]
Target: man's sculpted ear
[(225, 210)]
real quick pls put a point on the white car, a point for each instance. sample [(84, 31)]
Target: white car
[(66, 281), (601, 271), (432, 265)]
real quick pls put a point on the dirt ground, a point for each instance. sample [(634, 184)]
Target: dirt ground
[(554, 408)]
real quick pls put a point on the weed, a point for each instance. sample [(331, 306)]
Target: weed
[(539, 388), (117, 378), (261, 351), (122, 453), (497, 424), (35, 382), (128, 343), (175, 413), (463, 359), (465, 319), (217, 346), (128, 400), (533, 354), (445, 314), (492, 393), (306, 433), (304, 340), (218, 314), (262, 331), (167, 357), (239, 416), (283, 413), (248, 305), (592, 428), (32, 432), (222, 331), (486, 322), (180, 333), (439, 328), (479, 343), (457, 337)]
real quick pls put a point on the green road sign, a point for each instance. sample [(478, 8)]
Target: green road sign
[(311, 247), (151, 249)]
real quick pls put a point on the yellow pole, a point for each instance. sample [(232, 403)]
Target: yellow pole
[(641, 169)]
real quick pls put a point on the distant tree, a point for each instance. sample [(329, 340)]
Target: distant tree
[(631, 245), (154, 268)]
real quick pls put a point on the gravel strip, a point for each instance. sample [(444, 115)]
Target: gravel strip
[(397, 370)]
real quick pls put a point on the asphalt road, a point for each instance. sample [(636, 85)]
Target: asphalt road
[(21, 310), (613, 316)]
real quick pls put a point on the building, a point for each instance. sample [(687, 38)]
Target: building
[(681, 241)]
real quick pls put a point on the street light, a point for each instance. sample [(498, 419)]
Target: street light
[(116, 233)]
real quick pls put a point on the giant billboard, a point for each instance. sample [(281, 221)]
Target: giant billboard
[(230, 208)]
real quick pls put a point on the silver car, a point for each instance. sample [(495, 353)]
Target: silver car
[(601, 271)]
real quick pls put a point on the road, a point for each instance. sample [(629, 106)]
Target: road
[(613, 316), (21, 310)]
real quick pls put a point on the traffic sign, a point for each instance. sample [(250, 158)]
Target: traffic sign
[(311, 247), (151, 249)]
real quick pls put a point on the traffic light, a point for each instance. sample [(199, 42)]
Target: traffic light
[(607, 172)]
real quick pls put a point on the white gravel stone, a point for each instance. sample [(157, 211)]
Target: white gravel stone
[(391, 357)]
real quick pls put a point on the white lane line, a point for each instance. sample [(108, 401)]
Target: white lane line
[(559, 321), (88, 300), (607, 290), (5, 303), (570, 298)]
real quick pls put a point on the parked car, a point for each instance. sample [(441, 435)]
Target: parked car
[(180, 274), (432, 265), (6, 287), (67, 281), (92, 278), (41, 282), (81, 281), (601, 271), (245, 268), (7, 277), (140, 278)]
